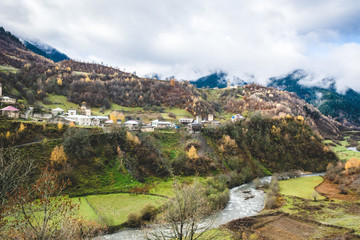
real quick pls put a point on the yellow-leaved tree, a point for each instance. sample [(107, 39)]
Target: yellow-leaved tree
[(114, 116), (60, 126), (21, 127), (72, 124), (192, 154), (352, 163), (172, 82), (59, 81), (58, 156), (132, 139)]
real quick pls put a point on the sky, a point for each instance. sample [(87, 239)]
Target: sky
[(250, 39)]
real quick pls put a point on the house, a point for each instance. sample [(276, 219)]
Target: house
[(8, 100), (42, 116), (71, 112), (95, 122), (198, 119), (98, 120), (10, 111), (236, 118), (147, 128), (194, 127), (5, 99), (132, 124), (160, 124), (57, 111), (85, 110), (186, 120), (79, 119)]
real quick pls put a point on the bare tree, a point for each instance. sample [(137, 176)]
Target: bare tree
[(14, 171), (40, 211), (183, 215)]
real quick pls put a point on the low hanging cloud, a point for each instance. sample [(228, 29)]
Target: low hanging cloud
[(249, 39)]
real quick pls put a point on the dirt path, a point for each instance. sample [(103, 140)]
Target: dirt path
[(281, 226), (331, 190)]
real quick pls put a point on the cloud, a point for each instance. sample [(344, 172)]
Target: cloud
[(192, 38)]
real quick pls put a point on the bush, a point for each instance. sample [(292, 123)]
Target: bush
[(271, 202), (133, 220), (257, 183), (148, 212)]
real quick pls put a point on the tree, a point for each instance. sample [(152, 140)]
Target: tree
[(114, 116), (60, 126), (172, 82), (352, 163), (14, 171), (42, 210), (192, 154), (58, 156), (59, 81), (182, 217), (21, 127), (72, 124)]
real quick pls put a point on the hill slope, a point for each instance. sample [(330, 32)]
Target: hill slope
[(100, 86), (45, 50), (14, 53), (342, 107)]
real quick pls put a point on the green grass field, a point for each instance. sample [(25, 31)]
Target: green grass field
[(338, 213), (341, 151), (6, 69), (60, 101), (114, 208), (300, 187)]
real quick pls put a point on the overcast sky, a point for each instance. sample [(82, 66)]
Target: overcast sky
[(188, 39)]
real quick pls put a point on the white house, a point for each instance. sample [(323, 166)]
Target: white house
[(132, 124), (8, 100), (160, 124), (186, 120), (57, 111), (71, 112), (79, 119)]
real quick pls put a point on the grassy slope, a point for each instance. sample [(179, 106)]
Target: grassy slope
[(297, 201), (114, 208), (300, 187), (4, 68), (61, 102), (341, 151)]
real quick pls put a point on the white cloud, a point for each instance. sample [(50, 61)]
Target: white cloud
[(189, 38)]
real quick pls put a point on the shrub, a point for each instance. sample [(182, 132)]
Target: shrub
[(148, 212), (133, 220), (271, 202), (257, 183)]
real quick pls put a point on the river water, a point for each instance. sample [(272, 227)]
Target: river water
[(244, 201), (352, 149)]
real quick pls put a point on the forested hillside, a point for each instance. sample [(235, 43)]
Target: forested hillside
[(344, 108)]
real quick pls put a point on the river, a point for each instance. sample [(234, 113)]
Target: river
[(245, 201), (352, 149)]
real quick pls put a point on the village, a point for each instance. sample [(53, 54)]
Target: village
[(85, 118)]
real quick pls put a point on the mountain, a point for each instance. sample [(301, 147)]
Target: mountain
[(45, 50), (344, 108), (14, 53), (217, 80)]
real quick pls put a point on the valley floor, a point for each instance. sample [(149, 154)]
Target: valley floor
[(332, 216)]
